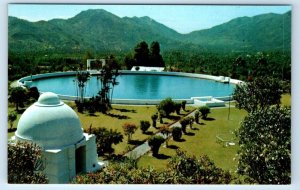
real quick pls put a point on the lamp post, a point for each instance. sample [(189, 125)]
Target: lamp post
[(229, 107)]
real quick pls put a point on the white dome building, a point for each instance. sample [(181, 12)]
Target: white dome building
[(56, 128)]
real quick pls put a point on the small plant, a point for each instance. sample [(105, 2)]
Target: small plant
[(155, 142), (105, 139), (12, 116), (165, 130), (205, 110), (183, 103), (184, 122), (129, 130), (177, 107), (191, 121), (154, 118), (166, 106), (144, 125), (176, 133), (197, 114)]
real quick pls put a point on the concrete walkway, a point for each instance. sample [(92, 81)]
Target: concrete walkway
[(144, 148)]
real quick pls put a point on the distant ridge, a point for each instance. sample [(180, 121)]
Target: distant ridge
[(103, 31)]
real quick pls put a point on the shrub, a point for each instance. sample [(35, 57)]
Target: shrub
[(204, 110), (183, 103), (155, 142), (182, 169), (144, 125), (197, 171), (166, 130), (184, 122), (197, 114), (191, 121), (25, 164), (177, 107), (154, 118), (166, 107), (12, 116), (129, 129), (265, 141), (105, 139), (176, 133)]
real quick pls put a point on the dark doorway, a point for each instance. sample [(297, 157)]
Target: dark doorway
[(80, 159)]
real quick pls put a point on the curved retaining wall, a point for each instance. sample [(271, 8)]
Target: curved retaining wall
[(26, 81)]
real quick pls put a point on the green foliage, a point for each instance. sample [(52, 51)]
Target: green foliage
[(259, 94), (166, 107), (25, 164), (177, 133), (155, 57), (182, 169), (154, 118), (12, 116), (204, 110), (18, 97), (183, 103), (108, 79), (144, 125), (184, 122), (82, 78), (265, 146), (155, 142), (198, 171), (105, 139), (129, 129), (74, 35), (141, 54), (177, 107), (166, 130), (197, 114)]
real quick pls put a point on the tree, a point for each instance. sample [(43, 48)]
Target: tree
[(183, 103), (204, 110), (265, 146), (176, 133), (129, 129), (144, 125), (177, 107), (18, 97), (197, 114), (12, 116), (81, 79), (155, 142), (141, 54), (108, 75), (259, 94), (105, 139), (25, 163), (184, 122), (156, 59), (154, 118), (166, 106)]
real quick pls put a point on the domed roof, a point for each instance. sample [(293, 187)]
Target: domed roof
[(49, 123)]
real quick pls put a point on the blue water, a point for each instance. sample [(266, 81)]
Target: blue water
[(141, 87)]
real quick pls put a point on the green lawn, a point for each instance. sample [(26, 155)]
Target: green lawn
[(203, 141)]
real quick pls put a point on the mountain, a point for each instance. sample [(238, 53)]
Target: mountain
[(102, 31), (263, 32)]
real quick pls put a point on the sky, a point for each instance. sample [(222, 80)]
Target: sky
[(182, 18)]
